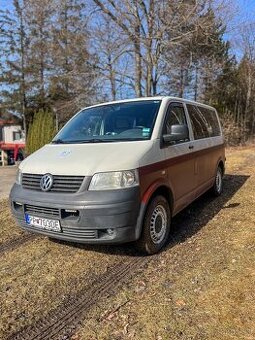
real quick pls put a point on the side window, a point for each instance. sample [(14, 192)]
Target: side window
[(175, 116), (212, 121), (198, 122)]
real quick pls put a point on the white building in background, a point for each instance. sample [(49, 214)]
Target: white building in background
[(12, 142), (12, 134)]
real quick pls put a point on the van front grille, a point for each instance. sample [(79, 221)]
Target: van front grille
[(67, 184), (35, 210)]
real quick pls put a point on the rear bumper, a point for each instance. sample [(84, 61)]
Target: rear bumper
[(107, 217)]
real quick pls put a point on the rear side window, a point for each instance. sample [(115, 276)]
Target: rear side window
[(204, 122), (198, 122), (212, 121)]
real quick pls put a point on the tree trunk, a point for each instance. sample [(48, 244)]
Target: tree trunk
[(196, 83), (181, 87), (138, 64), (112, 78), (23, 81)]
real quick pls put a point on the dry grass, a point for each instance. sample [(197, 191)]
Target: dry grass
[(200, 287), (8, 228), (36, 277)]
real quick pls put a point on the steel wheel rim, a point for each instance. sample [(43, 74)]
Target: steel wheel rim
[(218, 181), (158, 224)]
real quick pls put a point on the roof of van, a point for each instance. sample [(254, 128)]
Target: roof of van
[(151, 98)]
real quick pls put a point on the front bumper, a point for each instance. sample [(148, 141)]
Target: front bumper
[(105, 217)]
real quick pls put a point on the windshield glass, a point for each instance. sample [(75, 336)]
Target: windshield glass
[(128, 121)]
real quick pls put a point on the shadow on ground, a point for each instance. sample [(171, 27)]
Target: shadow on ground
[(186, 223), (200, 212)]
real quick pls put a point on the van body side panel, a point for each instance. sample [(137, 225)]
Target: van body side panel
[(170, 166), (152, 170), (182, 174), (208, 154)]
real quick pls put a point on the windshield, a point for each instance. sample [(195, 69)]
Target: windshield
[(130, 121)]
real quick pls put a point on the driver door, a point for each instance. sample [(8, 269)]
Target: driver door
[(180, 161)]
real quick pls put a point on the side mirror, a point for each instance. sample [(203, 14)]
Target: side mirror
[(177, 133)]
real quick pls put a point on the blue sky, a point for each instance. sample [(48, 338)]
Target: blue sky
[(247, 9), (243, 10), (239, 12), (4, 4)]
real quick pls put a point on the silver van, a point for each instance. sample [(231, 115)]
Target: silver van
[(119, 171)]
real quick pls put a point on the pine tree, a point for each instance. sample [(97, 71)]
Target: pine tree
[(41, 131)]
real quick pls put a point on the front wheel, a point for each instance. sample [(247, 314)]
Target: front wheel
[(218, 183), (156, 226)]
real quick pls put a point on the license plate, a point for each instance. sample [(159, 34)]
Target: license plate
[(42, 223)]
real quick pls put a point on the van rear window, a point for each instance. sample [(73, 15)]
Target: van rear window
[(204, 122)]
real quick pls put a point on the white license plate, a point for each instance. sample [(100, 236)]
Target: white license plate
[(43, 223)]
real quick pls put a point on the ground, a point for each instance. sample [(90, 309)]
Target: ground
[(7, 177), (201, 286)]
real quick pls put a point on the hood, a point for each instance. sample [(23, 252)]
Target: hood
[(86, 159)]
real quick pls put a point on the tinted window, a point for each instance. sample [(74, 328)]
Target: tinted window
[(212, 121), (175, 116), (112, 122), (198, 122), (204, 122)]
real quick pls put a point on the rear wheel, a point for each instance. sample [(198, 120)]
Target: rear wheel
[(156, 226), (218, 182)]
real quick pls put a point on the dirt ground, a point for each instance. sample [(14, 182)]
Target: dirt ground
[(201, 286), (7, 178)]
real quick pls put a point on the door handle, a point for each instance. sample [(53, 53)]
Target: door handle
[(191, 147)]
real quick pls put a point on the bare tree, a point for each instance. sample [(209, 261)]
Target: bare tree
[(14, 49), (72, 75), (113, 56), (154, 30), (248, 44), (40, 16)]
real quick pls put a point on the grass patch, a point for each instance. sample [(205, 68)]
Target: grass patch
[(201, 287), (8, 227)]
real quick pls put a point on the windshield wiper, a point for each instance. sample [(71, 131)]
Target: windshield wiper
[(58, 141), (77, 141), (95, 140), (128, 139), (98, 140)]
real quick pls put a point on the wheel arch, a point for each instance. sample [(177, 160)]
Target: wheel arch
[(166, 192), (154, 190)]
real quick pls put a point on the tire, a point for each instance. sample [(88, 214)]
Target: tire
[(218, 183), (156, 226)]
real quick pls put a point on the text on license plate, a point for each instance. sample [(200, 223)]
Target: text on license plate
[(43, 223)]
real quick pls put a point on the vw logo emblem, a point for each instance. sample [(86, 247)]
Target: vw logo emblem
[(46, 182), (64, 153)]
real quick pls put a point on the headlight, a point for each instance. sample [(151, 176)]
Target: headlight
[(114, 180), (18, 177)]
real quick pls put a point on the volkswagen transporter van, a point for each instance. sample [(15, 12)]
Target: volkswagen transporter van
[(118, 172)]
